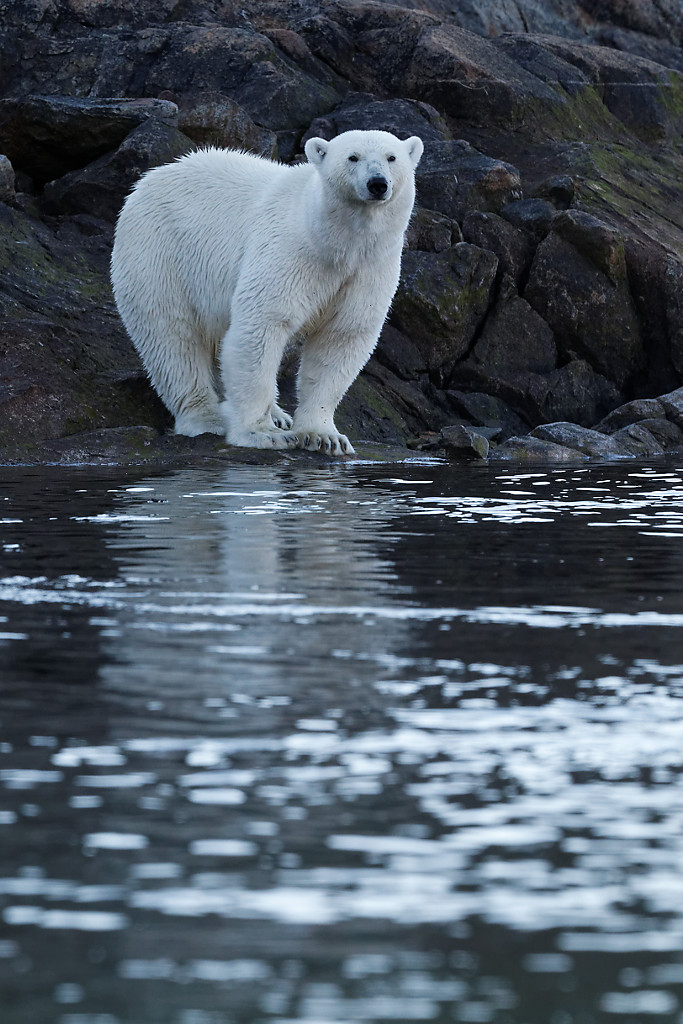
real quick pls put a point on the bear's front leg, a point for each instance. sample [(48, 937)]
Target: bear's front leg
[(330, 363), (250, 357)]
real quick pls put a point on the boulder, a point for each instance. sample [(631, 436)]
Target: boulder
[(672, 404), (486, 411), (432, 232), (366, 112), (531, 215), (459, 441), (7, 189), (571, 435), (579, 285), (631, 412), (454, 178), (47, 136), (636, 439), (577, 392), (101, 188), (513, 248), (534, 449), (441, 302), (214, 120), (514, 338)]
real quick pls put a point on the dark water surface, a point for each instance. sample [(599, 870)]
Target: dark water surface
[(354, 744)]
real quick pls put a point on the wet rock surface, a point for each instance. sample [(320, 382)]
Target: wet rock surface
[(543, 275)]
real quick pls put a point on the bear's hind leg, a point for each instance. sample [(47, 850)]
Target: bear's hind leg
[(187, 389)]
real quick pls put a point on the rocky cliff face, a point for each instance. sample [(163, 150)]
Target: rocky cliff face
[(543, 280)]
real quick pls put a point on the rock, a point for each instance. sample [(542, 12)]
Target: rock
[(215, 120), (453, 178), (432, 232), (631, 412), (7, 191), (636, 439), (442, 300), (640, 93), (591, 313), (364, 111), (513, 248), (532, 215), (400, 354), (462, 442), (484, 410), (656, 279), (468, 77), (65, 362), (570, 435), (667, 434), (534, 449), (514, 338), (595, 240), (559, 190), (673, 406), (47, 136), (101, 188), (577, 393)]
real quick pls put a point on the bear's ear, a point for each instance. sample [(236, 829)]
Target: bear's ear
[(315, 150), (415, 149)]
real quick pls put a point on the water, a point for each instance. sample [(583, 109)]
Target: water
[(352, 744)]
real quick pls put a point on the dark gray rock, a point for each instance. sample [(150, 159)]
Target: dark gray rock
[(364, 111), (559, 190), (442, 300), (101, 188), (571, 435), (459, 441), (484, 410), (467, 77), (631, 412), (214, 120), (591, 312), (673, 406), (532, 215), (47, 136), (513, 248), (7, 189), (578, 393), (454, 178), (666, 433), (536, 450), (432, 232), (66, 364), (400, 354), (636, 439), (514, 338), (640, 93)]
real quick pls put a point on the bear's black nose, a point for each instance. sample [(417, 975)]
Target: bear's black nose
[(377, 187)]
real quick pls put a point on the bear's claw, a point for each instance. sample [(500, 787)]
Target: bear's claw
[(330, 444)]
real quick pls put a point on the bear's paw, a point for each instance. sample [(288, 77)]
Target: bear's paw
[(328, 441)]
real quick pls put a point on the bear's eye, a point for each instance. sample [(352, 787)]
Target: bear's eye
[(390, 159), (353, 159)]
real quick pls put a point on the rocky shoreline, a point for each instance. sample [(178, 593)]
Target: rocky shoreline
[(540, 313)]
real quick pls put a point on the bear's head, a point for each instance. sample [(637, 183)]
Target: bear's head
[(366, 167)]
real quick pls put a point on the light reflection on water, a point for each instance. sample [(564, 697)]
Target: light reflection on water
[(338, 745)]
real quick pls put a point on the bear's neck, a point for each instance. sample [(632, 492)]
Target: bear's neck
[(348, 234)]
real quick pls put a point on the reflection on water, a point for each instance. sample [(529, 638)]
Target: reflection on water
[(337, 745)]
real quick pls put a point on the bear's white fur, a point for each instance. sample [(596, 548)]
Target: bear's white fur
[(222, 257)]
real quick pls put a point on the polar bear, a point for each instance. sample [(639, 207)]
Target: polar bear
[(222, 257)]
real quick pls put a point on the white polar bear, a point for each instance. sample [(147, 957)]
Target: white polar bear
[(222, 257)]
